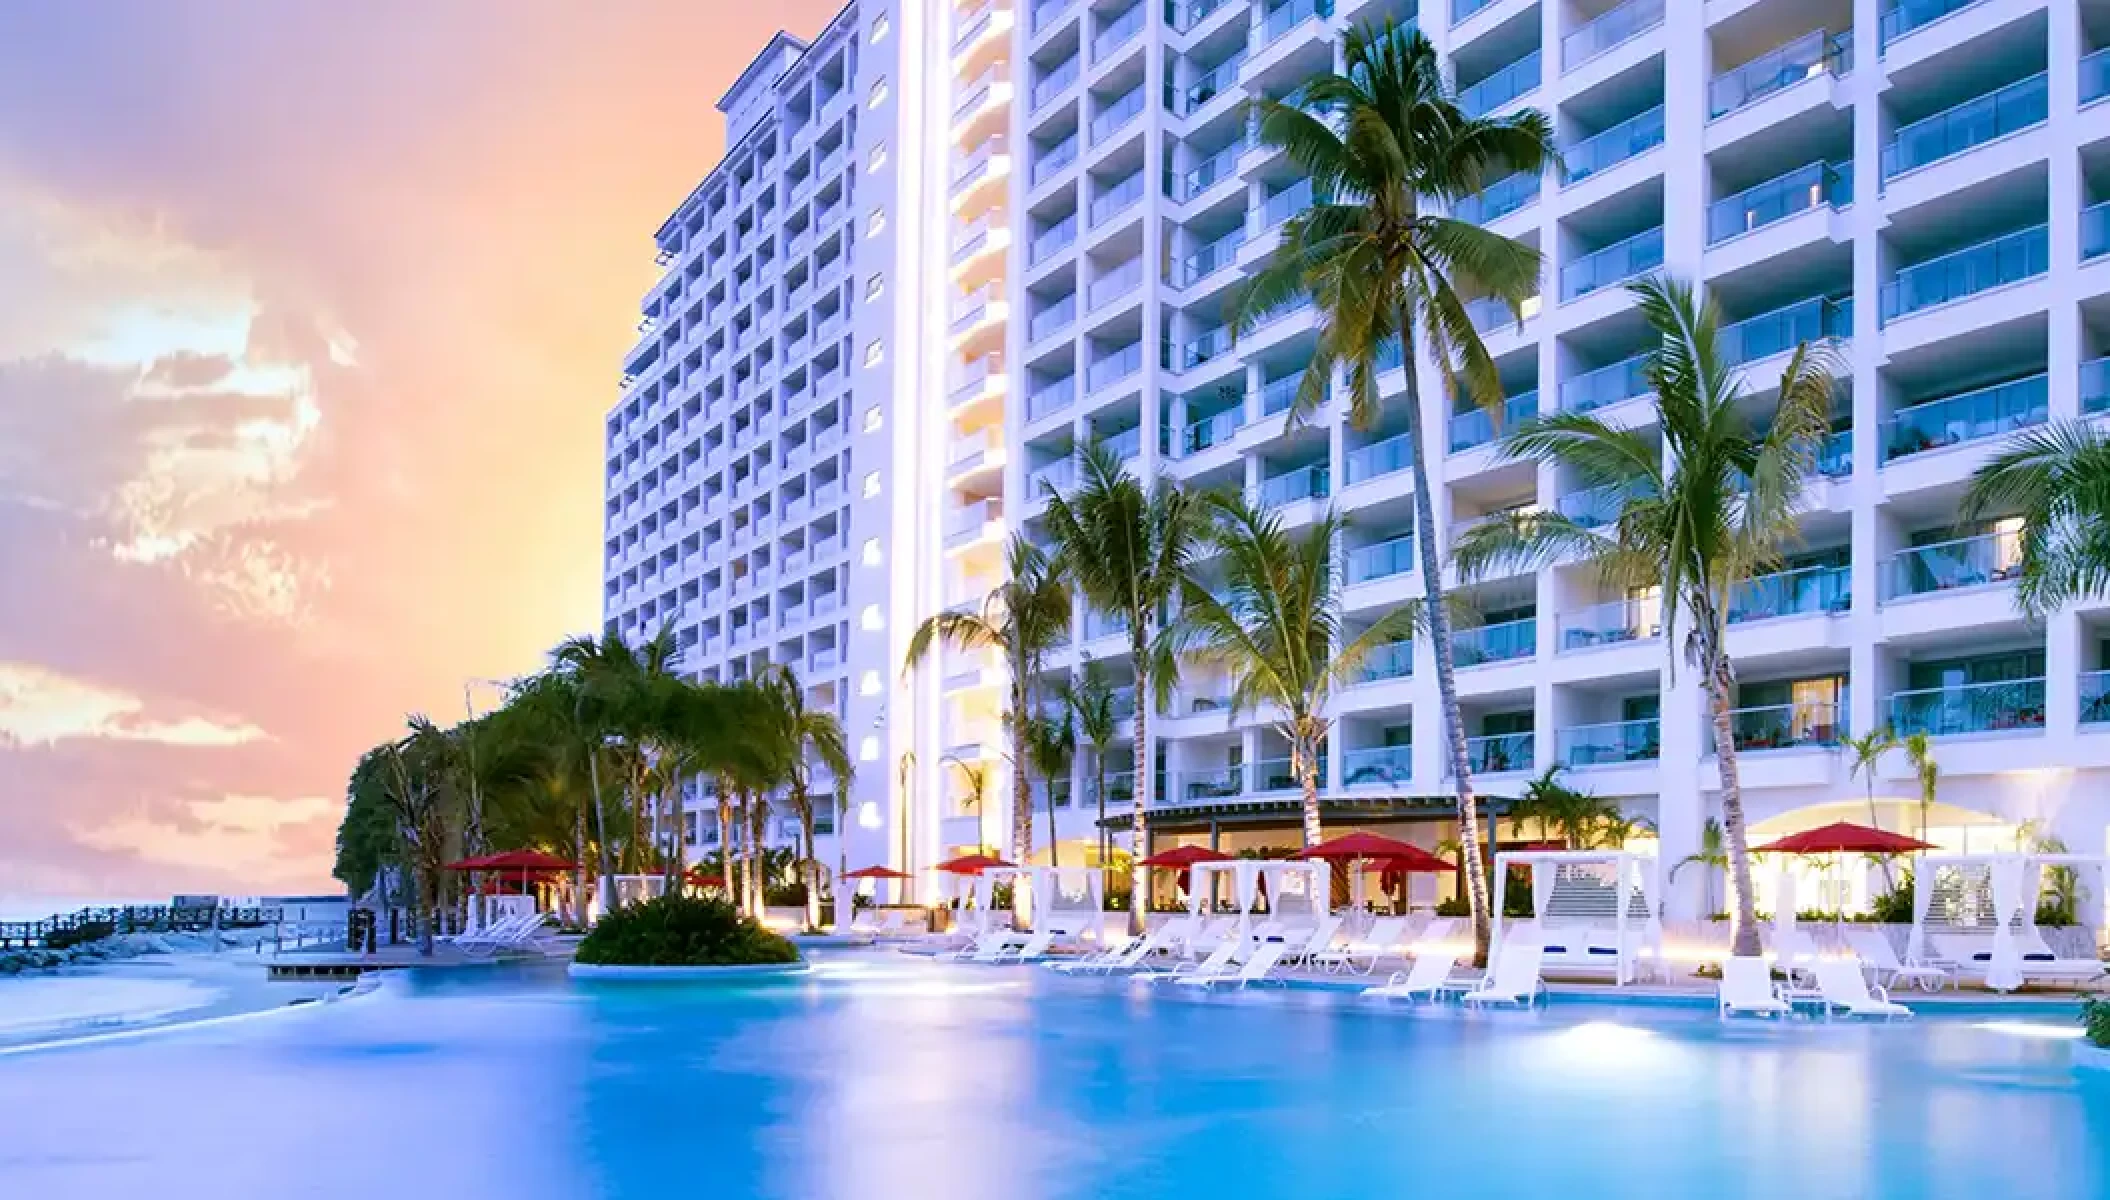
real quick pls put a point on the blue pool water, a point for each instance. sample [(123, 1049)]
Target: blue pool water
[(882, 1076)]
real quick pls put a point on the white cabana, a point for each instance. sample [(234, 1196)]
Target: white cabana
[(1298, 892), (1068, 900), (1980, 912), (1595, 910)]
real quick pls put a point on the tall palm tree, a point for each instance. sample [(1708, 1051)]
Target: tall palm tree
[(1380, 141), (1864, 755), (1919, 751), (2058, 478), (1051, 745), (815, 736), (1089, 697), (1275, 624), (1127, 547), (1720, 513), (1022, 618), (418, 795), (605, 704), (1711, 855)]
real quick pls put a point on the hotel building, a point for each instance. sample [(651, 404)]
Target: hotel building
[(1075, 190)]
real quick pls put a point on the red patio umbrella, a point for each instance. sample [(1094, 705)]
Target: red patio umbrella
[(1844, 837), (514, 860), (877, 873), (1182, 859), (1375, 846), (970, 864), (696, 876)]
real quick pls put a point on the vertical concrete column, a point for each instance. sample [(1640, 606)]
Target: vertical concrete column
[(2064, 352), (1867, 680)]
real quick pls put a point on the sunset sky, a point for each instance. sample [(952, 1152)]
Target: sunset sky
[(309, 315)]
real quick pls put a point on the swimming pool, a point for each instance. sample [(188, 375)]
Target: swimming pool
[(882, 1076)]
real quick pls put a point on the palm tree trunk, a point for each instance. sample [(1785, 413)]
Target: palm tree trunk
[(1053, 850), (428, 907), (578, 891), (677, 837), (1304, 762), (1021, 785), (725, 839), (1743, 917), (604, 884), (1099, 770), (1439, 623), (809, 870), (1139, 791)]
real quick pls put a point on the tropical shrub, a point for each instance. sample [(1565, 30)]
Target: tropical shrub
[(86, 931), (1894, 907), (683, 931), (2095, 1020)]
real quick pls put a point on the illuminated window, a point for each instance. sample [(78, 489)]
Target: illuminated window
[(868, 684), (868, 749), (875, 353), (875, 226), (879, 94), (874, 418), (870, 618), (871, 552), (871, 485), (875, 287)]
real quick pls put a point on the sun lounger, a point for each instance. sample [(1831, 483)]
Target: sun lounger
[(1515, 979), (1748, 989), (1361, 954), (1842, 987), (1107, 957), (1034, 946), (988, 947), (2034, 957), (1204, 937), (1794, 952), (1222, 959), (1264, 958), (1317, 943), (1877, 954), (512, 933), (1429, 975)]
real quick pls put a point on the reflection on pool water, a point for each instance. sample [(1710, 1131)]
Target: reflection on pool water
[(882, 1076)]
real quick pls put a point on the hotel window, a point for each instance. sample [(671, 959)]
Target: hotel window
[(871, 552), (875, 287), (880, 28), (876, 225), (868, 749), (878, 159), (879, 94), (870, 618), (871, 488), (874, 418), (875, 353), (868, 684)]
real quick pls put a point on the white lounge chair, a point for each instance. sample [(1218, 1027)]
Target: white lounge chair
[(1264, 958), (988, 947), (1438, 931), (1748, 989), (1361, 954), (512, 933), (1515, 979), (1033, 946), (1429, 975), (1307, 952), (1204, 937), (1107, 957), (1222, 959), (1842, 987), (1794, 952), (1878, 955), (2034, 957)]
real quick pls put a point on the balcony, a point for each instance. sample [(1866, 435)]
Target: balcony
[(1217, 167), (1050, 479), (1754, 339), (1117, 282), (1509, 194), (1044, 14), (1605, 386), (1499, 753), (1212, 83), (1302, 483), (1611, 742), (1835, 457), (1970, 562), (1381, 458), (1287, 203), (1125, 445), (977, 166), (1205, 348), (1475, 428), (1954, 420), (1905, 16), (1512, 82), (1211, 431), (1613, 29), (2011, 258), (2095, 386), (1055, 82), (1615, 623), (1118, 32), (2008, 706), (1814, 53), (1382, 560), (1613, 265), (1113, 368), (1053, 240), (1117, 199), (2095, 231), (1505, 642), (1052, 319), (1393, 660), (1377, 766), (2014, 108), (1052, 160), (1487, 315), (1193, 787), (1778, 199), (1608, 148), (1463, 9), (2095, 76), (1792, 593), (2095, 697), (1209, 259), (1285, 17), (1117, 114), (1051, 398), (986, 88), (971, 523), (1800, 726)]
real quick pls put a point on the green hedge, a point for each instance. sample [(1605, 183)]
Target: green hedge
[(2095, 1018), (682, 931)]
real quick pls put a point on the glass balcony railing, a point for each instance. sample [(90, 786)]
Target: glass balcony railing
[(1498, 199), (1783, 329), (1210, 171), (1285, 204), (2011, 258), (1052, 160), (1394, 660), (1835, 457), (1045, 14), (1117, 198), (1053, 240), (1213, 83), (1947, 566), (1380, 458), (1461, 9), (1612, 624), (1607, 385), (1905, 16), (1520, 78), (1211, 258), (1210, 346), (1381, 560), (1276, 775), (1497, 753), (1611, 742), (1814, 53), (1622, 24), (1115, 367), (2095, 231), (1986, 412), (1052, 478), (1197, 786), (1505, 642), (1613, 265), (1118, 32), (1476, 427), (2095, 386), (1052, 319), (1118, 281), (1792, 593), (1592, 508), (2016, 107), (1787, 727), (1055, 82), (2005, 706), (1608, 148), (1116, 114), (1051, 399), (1125, 445), (2095, 76), (1278, 395), (1391, 354), (2095, 697), (1303, 483), (1491, 314), (1778, 199), (1377, 765), (1211, 431), (1285, 17)]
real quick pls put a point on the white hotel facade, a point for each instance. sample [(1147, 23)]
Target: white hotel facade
[(950, 244)]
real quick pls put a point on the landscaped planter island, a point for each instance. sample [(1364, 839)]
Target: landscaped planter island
[(681, 938)]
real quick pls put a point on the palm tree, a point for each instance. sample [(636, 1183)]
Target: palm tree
[(2057, 477), (1090, 701), (1127, 547), (416, 790), (1582, 820), (976, 775), (605, 703), (1275, 624), (1693, 531), (814, 736), (1865, 755), (1381, 140), (1051, 745), (1919, 751), (1710, 855), (1022, 618)]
